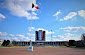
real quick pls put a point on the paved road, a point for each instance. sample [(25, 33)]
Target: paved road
[(41, 51)]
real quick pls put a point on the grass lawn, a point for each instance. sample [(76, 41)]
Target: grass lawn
[(72, 47), (80, 47), (77, 47), (63, 46), (44, 46), (11, 46)]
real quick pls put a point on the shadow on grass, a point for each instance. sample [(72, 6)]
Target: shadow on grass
[(80, 48), (74, 47), (77, 47)]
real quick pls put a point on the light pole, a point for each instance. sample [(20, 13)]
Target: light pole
[(51, 35)]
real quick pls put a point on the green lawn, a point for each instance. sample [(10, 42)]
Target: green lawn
[(72, 47), (63, 46), (80, 47), (11, 46)]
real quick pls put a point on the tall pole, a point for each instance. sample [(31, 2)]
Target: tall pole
[(31, 30), (51, 35), (31, 27), (0, 37), (31, 47)]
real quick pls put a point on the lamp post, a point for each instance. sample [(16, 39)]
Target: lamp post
[(51, 35)]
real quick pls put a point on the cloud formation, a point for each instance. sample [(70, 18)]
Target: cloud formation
[(56, 14), (2, 16), (64, 37), (29, 28), (22, 38), (3, 33), (29, 34), (47, 32), (67, 37), (6, 36), (73, 29), (11, 35), (69, 16), (20, 8), (72, 14), (82, 13)]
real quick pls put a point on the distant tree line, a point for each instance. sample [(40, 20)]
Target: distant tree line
[(80, 43), (6, 43)]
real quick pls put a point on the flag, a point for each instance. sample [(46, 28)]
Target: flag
[(32, 5), (35, 6)]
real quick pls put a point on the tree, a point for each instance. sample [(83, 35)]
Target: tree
[(6, 43), (71, 42), (83, 37)]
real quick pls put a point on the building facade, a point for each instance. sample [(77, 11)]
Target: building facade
[(40, 40), (40, 43), (40, 35)]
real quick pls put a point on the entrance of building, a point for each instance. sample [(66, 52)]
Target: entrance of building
[(40, 44)]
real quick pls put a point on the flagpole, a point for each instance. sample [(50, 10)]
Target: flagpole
[(31, 22), (31, 47), (31, 30)]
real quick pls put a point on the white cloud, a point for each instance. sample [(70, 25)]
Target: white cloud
[(33, 13), (31, 37), (47, 32), (40, 29), (29, 34), (68, 36), (35, 17), (19, 8), (29, 28), (11, 35), (61, 19), (20, 35), (64, 37), (73, 29), (57, 13), (3, 34), (22, 38), (2, 16), (82, 13), (69, 16), (14, 37), (48, 38), (32, 17)]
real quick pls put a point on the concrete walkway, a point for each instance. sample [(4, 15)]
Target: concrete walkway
[(41, 51)]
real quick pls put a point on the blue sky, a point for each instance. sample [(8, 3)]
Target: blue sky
[(65, 18)]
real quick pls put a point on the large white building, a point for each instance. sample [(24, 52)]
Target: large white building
[(40, 41)]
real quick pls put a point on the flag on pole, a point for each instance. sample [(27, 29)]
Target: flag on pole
[(32, 5), (35, 6)]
